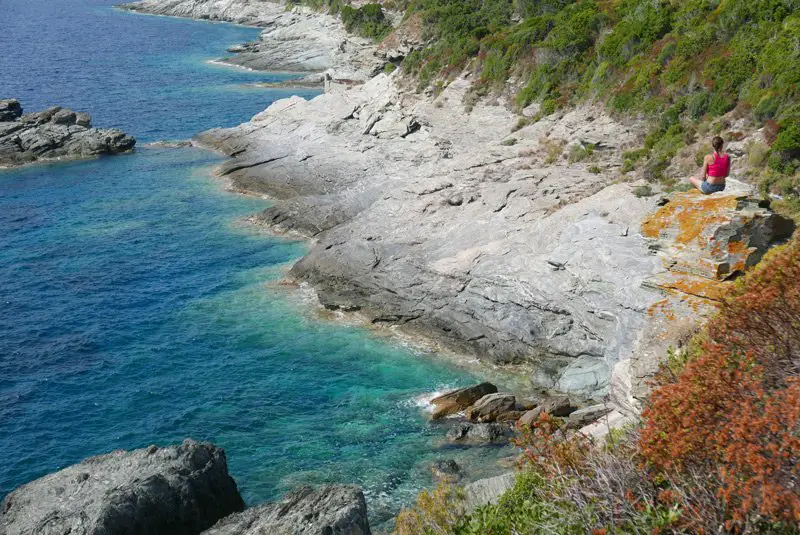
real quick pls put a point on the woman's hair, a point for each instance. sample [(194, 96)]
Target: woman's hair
[(717, 143)]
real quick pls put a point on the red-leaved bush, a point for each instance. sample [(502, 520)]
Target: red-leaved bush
[(734, 410)]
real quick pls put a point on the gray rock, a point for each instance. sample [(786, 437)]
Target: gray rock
[(488, 491), (328, 510), (10, 110), (587, 415), (478, 434), (67, 117), (490, 406), (558, 406), (54, 134), (530, 416), (459, 400), (173, 490), (83, 119)]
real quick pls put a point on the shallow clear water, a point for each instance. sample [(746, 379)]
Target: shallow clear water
[(135, 308)]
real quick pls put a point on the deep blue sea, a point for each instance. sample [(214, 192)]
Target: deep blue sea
[(137, 308)]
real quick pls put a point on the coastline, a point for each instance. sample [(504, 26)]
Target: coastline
[(459, 220)]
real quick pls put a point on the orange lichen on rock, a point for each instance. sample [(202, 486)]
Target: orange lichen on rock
[(701, 287), (689, 214), (713, 236)]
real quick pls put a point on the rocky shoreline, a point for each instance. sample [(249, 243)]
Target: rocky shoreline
[(510, 238), (507, 237), (54, 134)]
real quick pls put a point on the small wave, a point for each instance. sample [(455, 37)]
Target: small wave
[(423, 401)]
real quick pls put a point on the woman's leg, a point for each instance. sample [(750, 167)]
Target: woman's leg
[(697, 182)]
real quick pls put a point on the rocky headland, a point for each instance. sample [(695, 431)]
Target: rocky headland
[(459, 219), (54, 134), (297, 40)]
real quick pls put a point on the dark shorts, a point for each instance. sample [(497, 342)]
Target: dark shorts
[(707, 188)]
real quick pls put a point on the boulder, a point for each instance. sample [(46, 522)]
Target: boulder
[(67, 117), (179, 489), (10, 110), (328, 510), (478, 434), (530, 417), (559, 406), (510, 416), (587, 415), (490, 406), (458, 400), (83, 119), (488, 491)]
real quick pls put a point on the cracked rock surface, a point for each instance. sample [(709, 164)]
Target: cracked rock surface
[(174, 490), (330, 509), (54, 134), (449, 224)]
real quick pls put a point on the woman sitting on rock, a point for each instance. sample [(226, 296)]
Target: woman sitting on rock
[(715, 169)]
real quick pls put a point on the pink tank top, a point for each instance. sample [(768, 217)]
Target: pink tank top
[(720, 167)]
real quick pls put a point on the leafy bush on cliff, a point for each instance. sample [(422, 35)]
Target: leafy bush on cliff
[(734, 410), (702, 58), (366, 21)]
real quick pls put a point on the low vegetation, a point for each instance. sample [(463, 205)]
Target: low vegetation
[(682, 63), (717, 449)]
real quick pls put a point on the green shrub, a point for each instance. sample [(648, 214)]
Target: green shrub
[(767, 107), (366, 21), (509, 142), (578, 153), (643, 191)]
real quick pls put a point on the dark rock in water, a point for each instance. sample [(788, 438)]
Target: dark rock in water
[(328, 510), (458, 400), (479, 434), (54, 133), (490, 407), (174, 490), (10, 110), (446, 470)]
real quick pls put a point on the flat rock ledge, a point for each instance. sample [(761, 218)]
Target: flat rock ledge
[(54, 134), (175, 490)]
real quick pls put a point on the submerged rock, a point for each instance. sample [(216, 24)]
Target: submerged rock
[(54, 133), (171, 491), (328, 510), (459, 400), (446, 470)]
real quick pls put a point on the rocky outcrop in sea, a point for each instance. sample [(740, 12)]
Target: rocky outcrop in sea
[(54, 134), (182, 489)]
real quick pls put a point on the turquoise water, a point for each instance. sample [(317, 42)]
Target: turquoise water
[(137, 308)]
